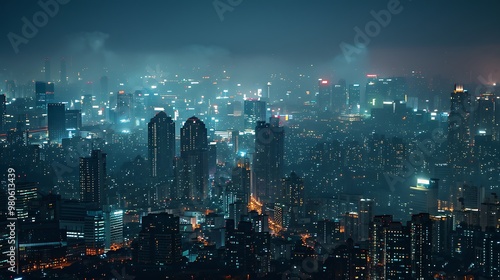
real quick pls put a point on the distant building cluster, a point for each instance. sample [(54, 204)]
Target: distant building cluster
[(188, 177)]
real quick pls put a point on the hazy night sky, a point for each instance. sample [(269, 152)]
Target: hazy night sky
[(459, 39)]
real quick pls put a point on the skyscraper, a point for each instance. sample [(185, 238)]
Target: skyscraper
[(161, 146), (254, 111), (365, 211), (268, 158), (194, 156), (324, 98), (485, 115), (459, 133), (56, 122), (397, 252), (124, 107), (338, 97), (354, 100), (94, 232), (113, 227), (240, 178), (293, 196), (93, 178), (421, 246), (240, 247), (376, 245), (44, 93)]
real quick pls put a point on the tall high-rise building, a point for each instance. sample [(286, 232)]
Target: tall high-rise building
[(442, 232), (159, 241), (240, 247), (490, 256), (113, 228), (377, 246), (253, 111), (161, 146), (421, 246), (329, 232), (292, 196), (93, 184), (124, 107), (324, 98), (339, 97), (485, 115), (56, 122), (354, 99), (241, 179), (397, 263), (459, 149), (268, 159), (44, 94), (365, 212), (94, 232), (194, 156), (3, 110), (212, 159), (87, 104)]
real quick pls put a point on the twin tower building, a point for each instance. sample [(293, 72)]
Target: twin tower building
[(190, 170)]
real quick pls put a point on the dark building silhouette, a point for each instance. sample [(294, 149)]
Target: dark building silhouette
[(459, 134), (93, 185), (159, 241), (240, 247), (161, 146), (347, 262), (268, 159), (241, 179), (339, 97), (194, 157), (292, 196), (421, 246), (56, 122)]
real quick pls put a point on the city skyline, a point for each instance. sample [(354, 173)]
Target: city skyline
[(233, 139)]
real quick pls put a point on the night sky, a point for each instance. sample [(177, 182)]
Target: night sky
[(457, 39)]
